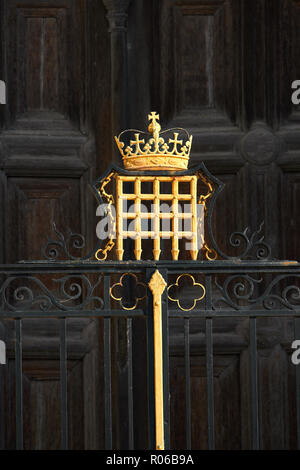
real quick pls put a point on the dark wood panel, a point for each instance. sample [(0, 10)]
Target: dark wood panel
[(50, 71), (194, 64), (274, 399), (288, 63), (41, 405), (229, 216), (42, 73), (290, 215), (42, 59), (199, 58), (34, 62), (45, 66), (227, 403), (41, 398)]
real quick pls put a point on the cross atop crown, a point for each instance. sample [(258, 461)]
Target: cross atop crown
[(153, 116)]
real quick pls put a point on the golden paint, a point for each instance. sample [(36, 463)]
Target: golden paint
[(120, 283), (194, 284), (157, 286), (156, 153)]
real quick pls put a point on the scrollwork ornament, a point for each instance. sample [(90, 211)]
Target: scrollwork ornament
[(74, 291), (64, 246), (254, 245), (238, 292), (236, 289)]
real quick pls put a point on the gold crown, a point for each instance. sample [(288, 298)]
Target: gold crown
[(156, 153)]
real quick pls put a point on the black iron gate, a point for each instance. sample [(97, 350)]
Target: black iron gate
[(245, 290), (202, 291)]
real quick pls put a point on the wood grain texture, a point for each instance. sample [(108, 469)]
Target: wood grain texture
[(52, 141), (221, 68)]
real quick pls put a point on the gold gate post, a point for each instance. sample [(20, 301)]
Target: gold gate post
[(157, 286)]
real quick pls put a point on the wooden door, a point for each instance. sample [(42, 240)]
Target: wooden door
[(223, 69)]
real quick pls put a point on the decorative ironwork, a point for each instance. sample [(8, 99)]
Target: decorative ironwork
[(161, 162), (176, 287), (53, 249), (204, 198), (210, 253), (242, 289), (231, 288), (240, 292), (174, 216), (255, 242), (254, 245), (120, 285), (23, 293), (102, 253)]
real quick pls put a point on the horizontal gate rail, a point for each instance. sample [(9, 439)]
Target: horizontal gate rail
[(223, 266), (71, 314)]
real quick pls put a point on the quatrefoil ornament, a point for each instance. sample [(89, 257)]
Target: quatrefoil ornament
[(175, 289), (128, 283)]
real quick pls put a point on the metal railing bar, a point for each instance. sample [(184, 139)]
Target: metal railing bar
[(297, 336), (22, 268), (173, 313), (150, 366), (19, 385), (207, 313), (107, 367), (72, 314), (115, 267), (130, 385), (64, 384), (210, 383), (187, 382), (107, 383), (166, 349), (254, 384), (176, 313), (209, 366)]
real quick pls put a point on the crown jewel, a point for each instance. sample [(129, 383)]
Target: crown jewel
[(156, 153)]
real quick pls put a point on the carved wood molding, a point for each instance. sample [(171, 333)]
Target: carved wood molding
[(190, 7), (260, 146), (119, 6), (38, 153), (117, 14)]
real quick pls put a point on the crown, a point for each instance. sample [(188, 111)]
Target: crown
[(155, 153)]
